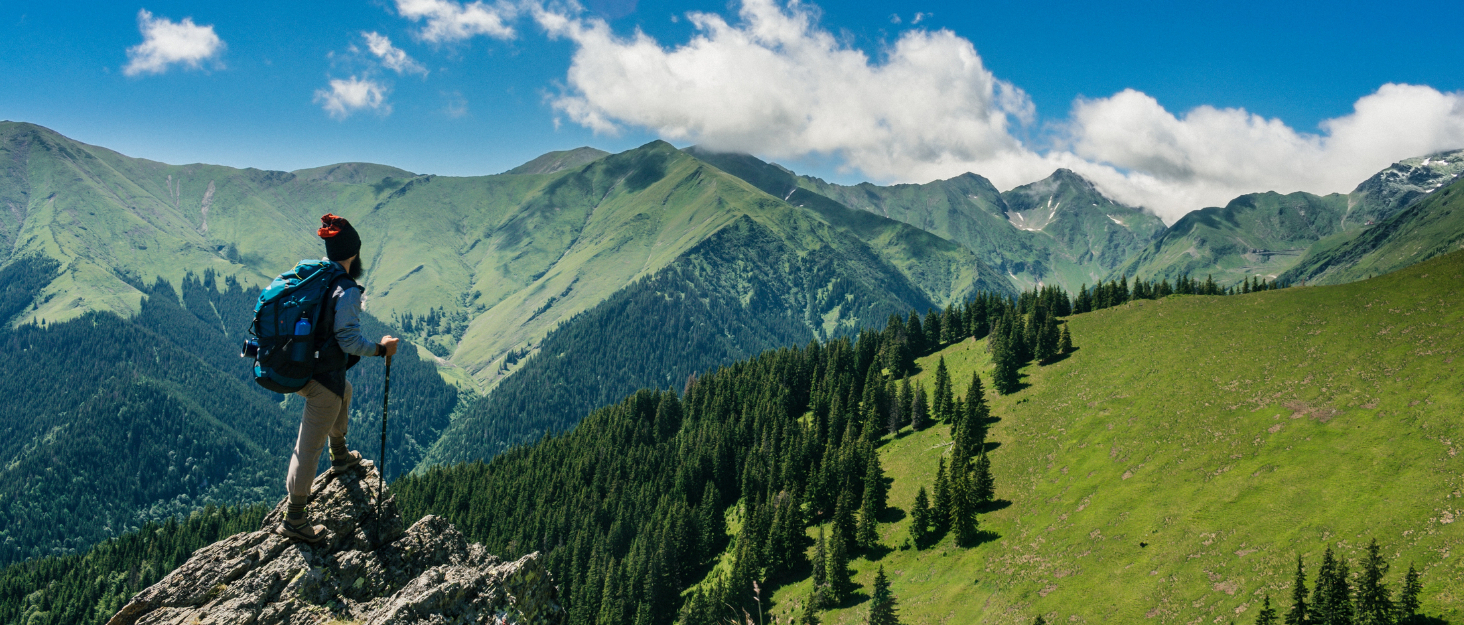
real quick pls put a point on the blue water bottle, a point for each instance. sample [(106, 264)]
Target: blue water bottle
[(300, 348)]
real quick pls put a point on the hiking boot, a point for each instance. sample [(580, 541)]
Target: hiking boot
[(304, 531), (351, 459)]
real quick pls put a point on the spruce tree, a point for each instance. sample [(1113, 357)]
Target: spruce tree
[(867, 534), (915, 334), (1065, 341), (1298, 612), (963, 508), (897, 409), (906, 399), (1039, 620), (839, 582), (810, 608), (1406, 608), (1332, 597), (844, 526), (920, 409), (820, 564), (1374, 603), (1267, 615), (882, 601), (940, 511), (977, 411), (920, 519), (941, 402), (984, 487)]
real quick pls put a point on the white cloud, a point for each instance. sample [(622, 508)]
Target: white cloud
[(449, 21), (347, 96), (777, 85), (166, 43), (392, 57)]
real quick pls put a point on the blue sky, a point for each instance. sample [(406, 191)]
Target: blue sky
[(783, 81)]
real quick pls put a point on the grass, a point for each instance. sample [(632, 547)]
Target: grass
[(1173, 467)]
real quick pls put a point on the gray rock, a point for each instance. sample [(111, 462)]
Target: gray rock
[(368, 570)]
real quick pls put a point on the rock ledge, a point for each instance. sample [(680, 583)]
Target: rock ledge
[(367, 571)]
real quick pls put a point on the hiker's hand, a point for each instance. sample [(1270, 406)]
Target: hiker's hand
[(390, 343)]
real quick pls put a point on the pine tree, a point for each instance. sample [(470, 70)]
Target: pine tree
[(1407, 607), (940, 511), (977, 411), (1332, 598), (820, 570), (897, 411), (868, 533), (810, 608), (963, 508), (984, 483), (844, 527), (1065, 341), (1298, 612), (1039, 620), (1047, 340), (1006, 378), (882, 601), (1267, 615), (920, 519), (941, 402), (920, 410), (1374, 603), (839, 583), (906, 399)]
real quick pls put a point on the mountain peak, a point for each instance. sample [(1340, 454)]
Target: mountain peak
[(366, 570), (552, 162)]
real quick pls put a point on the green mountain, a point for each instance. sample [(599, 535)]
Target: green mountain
[(1432, 226), (649, 251), (554, 162), (1059, 231), (1172, 467), (1266, 234)]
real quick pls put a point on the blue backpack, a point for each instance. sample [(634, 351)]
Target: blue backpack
[(285, 321)]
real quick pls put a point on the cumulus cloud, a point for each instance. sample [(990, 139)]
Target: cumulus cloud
[(347, 96), (448, 21), (166, 43), (776, 84), (392, 57), (1209, 155)]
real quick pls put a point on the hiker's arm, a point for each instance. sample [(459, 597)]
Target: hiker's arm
[(348, 326)]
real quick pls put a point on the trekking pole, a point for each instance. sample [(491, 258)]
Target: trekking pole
[(385, 398)]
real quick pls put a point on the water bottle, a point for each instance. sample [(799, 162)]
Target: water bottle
[(300, 348)]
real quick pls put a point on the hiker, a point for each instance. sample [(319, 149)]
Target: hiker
[(328, 394)]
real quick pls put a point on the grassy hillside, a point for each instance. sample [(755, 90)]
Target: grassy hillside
[(1433, 226), (1174, 466)]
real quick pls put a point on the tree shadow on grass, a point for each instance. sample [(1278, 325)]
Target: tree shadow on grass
[(992, 506), (890, 514), (982, 537), (991, 446)]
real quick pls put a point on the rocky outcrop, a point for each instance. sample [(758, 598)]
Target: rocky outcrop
[(368, 570)]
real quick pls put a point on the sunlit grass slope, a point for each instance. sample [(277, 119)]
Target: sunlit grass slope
[(1172, 468)]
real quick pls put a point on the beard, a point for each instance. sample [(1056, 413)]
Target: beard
[(357, 269)]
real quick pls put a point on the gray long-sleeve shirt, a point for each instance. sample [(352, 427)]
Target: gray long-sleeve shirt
[(348, 323)]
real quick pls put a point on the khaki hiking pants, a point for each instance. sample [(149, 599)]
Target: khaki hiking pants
[(325, 417)]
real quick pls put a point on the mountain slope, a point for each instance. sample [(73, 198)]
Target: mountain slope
[(1433, 226), (553, 162), (1257, 234), (1175, 465), (1060, 230), (1266, 234)]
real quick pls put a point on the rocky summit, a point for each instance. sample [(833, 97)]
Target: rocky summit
[(367, 570)]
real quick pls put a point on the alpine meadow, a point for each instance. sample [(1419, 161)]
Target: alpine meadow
[(839, 322)]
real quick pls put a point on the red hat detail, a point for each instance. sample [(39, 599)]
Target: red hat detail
[(331, 225)]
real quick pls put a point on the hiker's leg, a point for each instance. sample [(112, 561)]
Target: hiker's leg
[(322, 407), (339, 426)]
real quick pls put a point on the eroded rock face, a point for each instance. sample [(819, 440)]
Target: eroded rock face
[(369, 570)]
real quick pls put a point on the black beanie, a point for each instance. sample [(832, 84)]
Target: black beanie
[(341, 240)]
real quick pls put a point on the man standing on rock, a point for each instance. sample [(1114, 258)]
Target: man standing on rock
[(328, 394)]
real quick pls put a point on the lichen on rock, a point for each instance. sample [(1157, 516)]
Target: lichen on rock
[(368, 570)]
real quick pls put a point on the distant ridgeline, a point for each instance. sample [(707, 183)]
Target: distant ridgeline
[(110, 422)]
